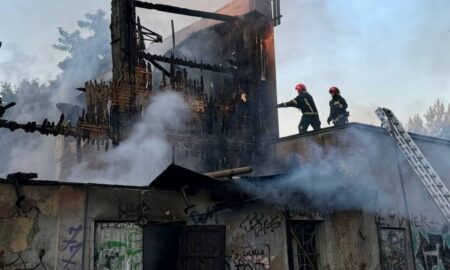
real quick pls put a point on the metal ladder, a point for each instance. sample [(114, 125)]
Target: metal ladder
[(431, 180)]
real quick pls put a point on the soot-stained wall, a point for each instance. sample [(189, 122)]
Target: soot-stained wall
[(101, 227)]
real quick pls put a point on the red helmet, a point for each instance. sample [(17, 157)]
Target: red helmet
[(300, 87), (335, 90)]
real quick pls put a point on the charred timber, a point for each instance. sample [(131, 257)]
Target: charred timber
[(151, 35), (4, 108), (230, 172), (46, 128), (185, 11), (158, 66), (187, 63)]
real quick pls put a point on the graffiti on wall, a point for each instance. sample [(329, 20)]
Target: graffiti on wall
[(71, 246), (18, 261), (118, 246), (201, 218), (251, 258), (393, 249), (430, 236), (392, 217), (432, 248), (260, 223)]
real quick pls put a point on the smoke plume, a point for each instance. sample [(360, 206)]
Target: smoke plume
[(144, 155), (360, 173)]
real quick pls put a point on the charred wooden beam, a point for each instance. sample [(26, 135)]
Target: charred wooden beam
[(151, 35), (46, 128), (158, 66), (185, 11), (6, 107), (187, 63), (230, 172)]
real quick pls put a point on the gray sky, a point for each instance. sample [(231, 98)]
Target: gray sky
[(379, 52)]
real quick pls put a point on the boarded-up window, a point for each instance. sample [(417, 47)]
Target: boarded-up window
[(393, 249), (202, 248), (118, 245)]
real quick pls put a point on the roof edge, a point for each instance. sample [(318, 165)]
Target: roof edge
[(363, 126)]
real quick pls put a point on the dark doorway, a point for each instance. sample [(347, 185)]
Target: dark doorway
[(179, 247), (161, 246)]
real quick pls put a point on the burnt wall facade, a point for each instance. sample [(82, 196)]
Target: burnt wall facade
[(231, 123)]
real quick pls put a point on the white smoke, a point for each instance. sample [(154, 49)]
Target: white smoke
[(356, 175), (33, 154), (37, 153), (145, 154)]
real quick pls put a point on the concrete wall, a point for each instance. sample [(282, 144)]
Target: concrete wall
[(70, 226), (421, 236), (49, 224), (107, 233)]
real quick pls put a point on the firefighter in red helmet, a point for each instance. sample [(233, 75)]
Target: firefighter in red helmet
[(305, 103), (338, 108)]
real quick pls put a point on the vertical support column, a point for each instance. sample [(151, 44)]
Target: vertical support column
[(124, 60), (123, 36)]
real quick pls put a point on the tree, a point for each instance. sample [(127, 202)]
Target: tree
[(416, 124), (6, 92), (87, 57), (435, 121)]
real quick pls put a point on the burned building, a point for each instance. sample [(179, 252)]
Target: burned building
[(186, 220), (223, 66), (338, 198)]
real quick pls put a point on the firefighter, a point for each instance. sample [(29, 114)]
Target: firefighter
[(338, 108), (305, 103)]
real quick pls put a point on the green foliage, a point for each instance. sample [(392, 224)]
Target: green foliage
[(88, 57), (6, 92)]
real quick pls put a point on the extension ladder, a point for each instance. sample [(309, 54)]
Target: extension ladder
[(431, 180)]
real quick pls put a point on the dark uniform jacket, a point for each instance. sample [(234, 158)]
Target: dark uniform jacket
[(338, 107), (304, 102)]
